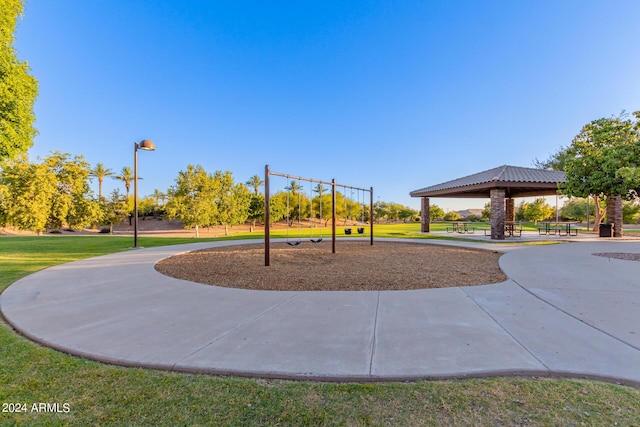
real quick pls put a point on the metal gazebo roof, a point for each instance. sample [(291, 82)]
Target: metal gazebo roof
[(517, 182)]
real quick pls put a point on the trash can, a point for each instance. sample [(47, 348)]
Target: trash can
[(606, 230)]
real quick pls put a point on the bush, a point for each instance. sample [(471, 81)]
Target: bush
[(452, 216)]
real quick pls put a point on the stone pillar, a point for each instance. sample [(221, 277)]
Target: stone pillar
[(614, 214), (510, 208), (497, 213), (426, 217)]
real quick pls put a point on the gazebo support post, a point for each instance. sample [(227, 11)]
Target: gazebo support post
[(497, 213), (510, 208), (614, 214), (426, 216)]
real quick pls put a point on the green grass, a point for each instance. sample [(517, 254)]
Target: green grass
[(99, 394)]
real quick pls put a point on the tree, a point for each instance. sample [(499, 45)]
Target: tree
[(256, 209), (321, 204), (380, 209), (519, 214), (486, 212), (26, 194), (18, 89), (630, 212), (193, 198), (146, 206), (294, 188), (126, 176), (406, 214), (232, 201), (255, 182), (537, 211), (325, 203), (100, 172), (297, 202), (278, 206), (452, 216), (436, 212), (72, 202), (159, 197), (52, 193), (603, 160), (576, 209), (555, 161), (114, 209)]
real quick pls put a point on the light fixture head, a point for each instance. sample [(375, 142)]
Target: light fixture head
[(146, 144)]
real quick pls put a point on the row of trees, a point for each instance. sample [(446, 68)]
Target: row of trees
[(575, 209), (47, 194), (55, 192)]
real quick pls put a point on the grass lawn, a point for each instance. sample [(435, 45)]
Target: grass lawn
[(99, 394)]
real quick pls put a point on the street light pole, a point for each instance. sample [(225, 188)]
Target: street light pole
[(146, 145)]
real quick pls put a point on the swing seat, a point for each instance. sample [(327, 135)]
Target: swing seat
[(360, 230), (294, 243), (347, 231), (316, 240)]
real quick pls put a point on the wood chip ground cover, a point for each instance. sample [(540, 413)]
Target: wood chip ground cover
[(356, 266)]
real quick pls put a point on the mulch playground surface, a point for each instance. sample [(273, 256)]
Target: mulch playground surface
[(356, 266)]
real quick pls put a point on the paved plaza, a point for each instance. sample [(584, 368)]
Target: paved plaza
[(562, 311)]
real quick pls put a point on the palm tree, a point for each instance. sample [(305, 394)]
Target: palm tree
[(294, 187), (255, 182), (159, 195), (126, 176), (100, 172), (294, 192)]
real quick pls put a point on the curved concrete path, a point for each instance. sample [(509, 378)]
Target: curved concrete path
[(562, 312)]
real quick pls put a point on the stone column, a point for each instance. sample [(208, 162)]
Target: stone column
[(426, 217), (510, 208), (614, 214), (497, 213)]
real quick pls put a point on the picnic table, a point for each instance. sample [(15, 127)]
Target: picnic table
[(561, 228), (511, 229), (461, 228)]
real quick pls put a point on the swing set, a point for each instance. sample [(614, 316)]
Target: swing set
[(313, 238), (347, 209), (290, 191)]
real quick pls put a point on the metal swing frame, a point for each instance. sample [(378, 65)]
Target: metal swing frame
[(267, 218)]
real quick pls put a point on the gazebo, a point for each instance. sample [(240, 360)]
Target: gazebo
[(501, 185)]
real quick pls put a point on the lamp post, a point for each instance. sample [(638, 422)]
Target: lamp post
[(146, 145)]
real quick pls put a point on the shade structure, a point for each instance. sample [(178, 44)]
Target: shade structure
[(501, 184), (516, 181)]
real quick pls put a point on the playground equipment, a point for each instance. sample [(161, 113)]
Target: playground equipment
[(297, 242), (319, 239), (267, 220), (347, 210), (361, 229)]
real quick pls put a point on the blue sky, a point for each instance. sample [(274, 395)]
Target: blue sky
[(394, 95)]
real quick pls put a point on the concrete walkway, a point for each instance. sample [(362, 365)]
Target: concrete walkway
[(563, 311)]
